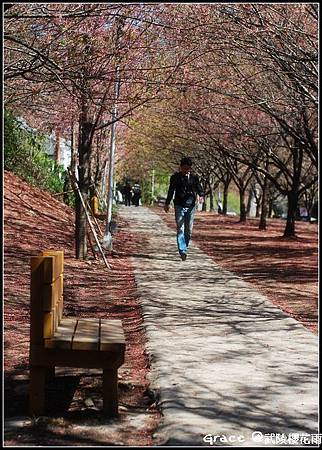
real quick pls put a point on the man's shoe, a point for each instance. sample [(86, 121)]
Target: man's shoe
[(183, 256)]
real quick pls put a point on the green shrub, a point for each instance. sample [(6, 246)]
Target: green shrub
[(146, 194), (233, 202), (161, 185), (24, 155)]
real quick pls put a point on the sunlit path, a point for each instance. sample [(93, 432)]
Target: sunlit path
[(225, 360)]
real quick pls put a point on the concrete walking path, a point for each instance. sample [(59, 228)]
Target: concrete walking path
[(225, 360)]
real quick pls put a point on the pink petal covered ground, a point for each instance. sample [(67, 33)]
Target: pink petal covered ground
[(286, 270), (34, 221)]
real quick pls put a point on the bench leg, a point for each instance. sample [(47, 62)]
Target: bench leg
[(37, 390), (110, 394)]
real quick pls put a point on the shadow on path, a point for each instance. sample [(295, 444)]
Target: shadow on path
[(224, 359)]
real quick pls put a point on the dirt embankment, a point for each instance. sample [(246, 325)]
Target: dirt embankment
[(33, 221)]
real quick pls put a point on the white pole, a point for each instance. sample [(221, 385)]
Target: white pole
[(107, 240), (104, 180)]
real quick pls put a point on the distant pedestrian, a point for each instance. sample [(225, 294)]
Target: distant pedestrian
[(127, 194), (186, 187), (136, 194)]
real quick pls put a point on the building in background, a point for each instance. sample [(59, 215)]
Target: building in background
[(56, 147), (59, 149)]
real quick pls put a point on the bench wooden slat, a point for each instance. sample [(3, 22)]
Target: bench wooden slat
[(64, 334), (86, 335), (94, 359), (112, 335)]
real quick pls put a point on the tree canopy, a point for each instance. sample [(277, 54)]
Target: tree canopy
[(233, 85)]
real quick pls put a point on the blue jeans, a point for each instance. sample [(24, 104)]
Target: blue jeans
[(184, 220)]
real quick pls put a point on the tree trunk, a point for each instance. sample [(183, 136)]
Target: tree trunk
[(292, 198), (81, 228), (264, 207), (204, 205), (225, 198), (293, 194), (270, 207), (211, 196), (84, 183), (243, 211)]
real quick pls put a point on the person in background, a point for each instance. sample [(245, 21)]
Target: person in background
[(185, 187), (127, 194), (136, 194)]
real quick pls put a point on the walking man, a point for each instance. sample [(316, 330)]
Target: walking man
[(186, 187)]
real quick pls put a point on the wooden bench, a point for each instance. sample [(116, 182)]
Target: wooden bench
[(61, 341)]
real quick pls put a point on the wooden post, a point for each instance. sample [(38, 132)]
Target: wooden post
[(42, 268), (59, 270), (110, 394), (42, 273), (37, 390)]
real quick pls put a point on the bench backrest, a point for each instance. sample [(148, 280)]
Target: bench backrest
[(46, 294)]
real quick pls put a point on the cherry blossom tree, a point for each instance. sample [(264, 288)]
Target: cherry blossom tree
[(62, 65), (235, 85)]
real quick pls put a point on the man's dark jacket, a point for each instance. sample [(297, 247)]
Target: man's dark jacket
[(185, 188)]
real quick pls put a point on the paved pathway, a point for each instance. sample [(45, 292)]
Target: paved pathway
[(225, 360)]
